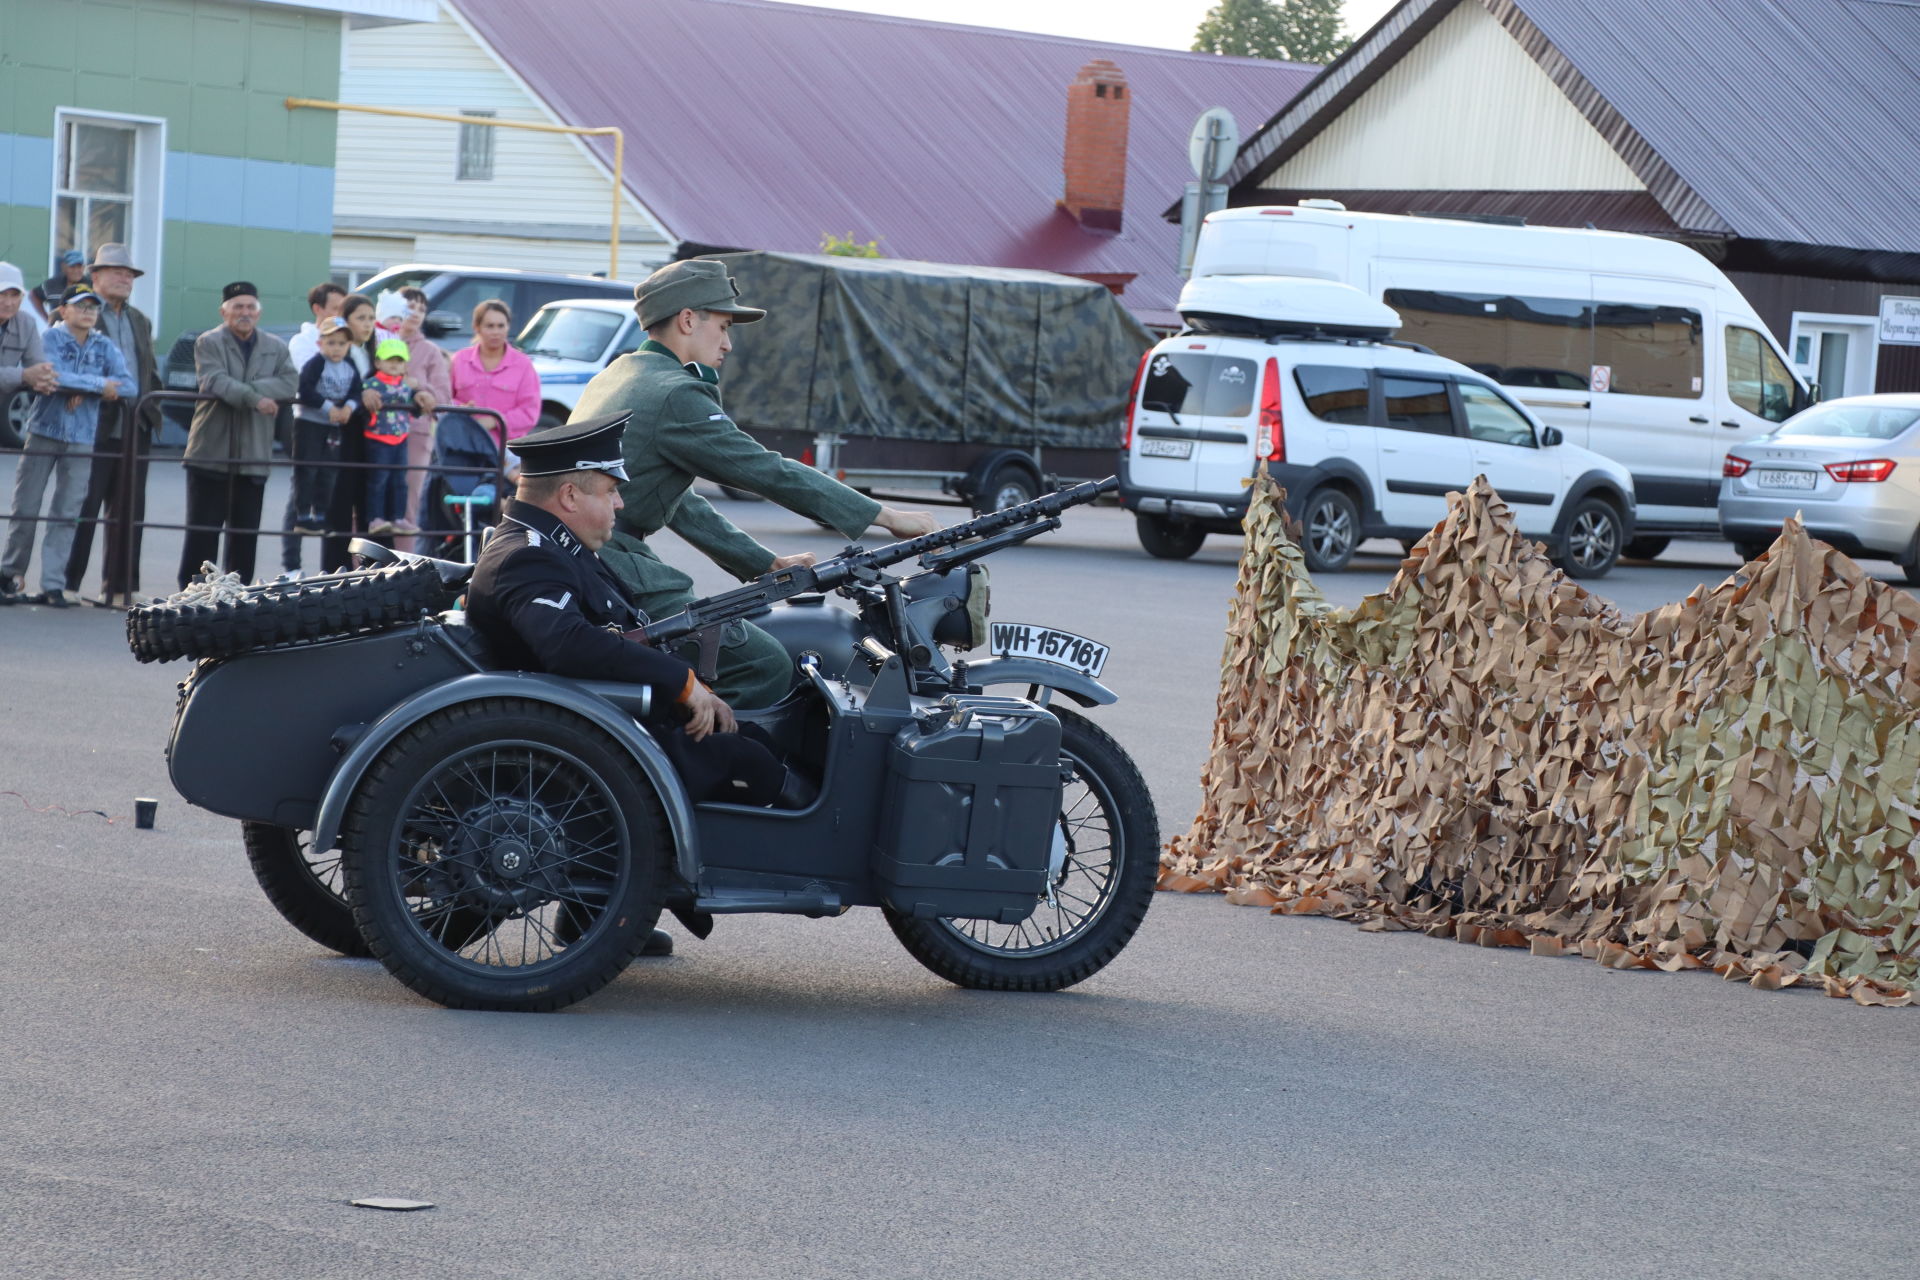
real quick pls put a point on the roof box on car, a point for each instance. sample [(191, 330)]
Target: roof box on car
[(1271, 305)]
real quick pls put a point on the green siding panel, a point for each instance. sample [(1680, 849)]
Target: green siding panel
[(203, 258), (219, 73)]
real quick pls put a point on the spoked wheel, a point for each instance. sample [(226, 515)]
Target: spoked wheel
[(306, 888), (504, 854), (1106, 855)]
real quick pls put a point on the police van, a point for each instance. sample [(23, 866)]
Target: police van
[(1367, 434), (1637, 348)]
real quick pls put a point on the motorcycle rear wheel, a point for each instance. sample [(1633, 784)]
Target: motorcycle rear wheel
[(1098, 900), (306, 889)]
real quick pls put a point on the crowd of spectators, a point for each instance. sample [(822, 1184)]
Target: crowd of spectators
[(364, 381)]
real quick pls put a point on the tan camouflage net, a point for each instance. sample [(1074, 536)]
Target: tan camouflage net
[(1489, 752)]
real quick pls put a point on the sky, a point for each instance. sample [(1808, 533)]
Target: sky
[(1167, 24)]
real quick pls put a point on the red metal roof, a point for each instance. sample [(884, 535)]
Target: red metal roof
[(941, 141)]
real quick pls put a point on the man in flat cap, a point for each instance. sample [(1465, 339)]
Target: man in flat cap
[(681, 433), (231, 440), (112, 273)]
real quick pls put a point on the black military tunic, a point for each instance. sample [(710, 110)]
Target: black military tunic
[(545, 602)]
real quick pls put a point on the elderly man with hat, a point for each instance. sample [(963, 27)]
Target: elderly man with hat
[(23, 359), (113, 273), (231, 440), (545, 601), (680, 434), (60, 431)]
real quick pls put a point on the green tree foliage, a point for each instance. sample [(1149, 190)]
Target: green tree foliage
[(1287, 30), (847, 247)]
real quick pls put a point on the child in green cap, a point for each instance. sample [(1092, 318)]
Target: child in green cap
[(387, 441)]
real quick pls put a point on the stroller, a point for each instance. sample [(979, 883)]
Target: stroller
[(465, 486)]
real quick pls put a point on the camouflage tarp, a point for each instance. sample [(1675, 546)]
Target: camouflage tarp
[(926, 351)]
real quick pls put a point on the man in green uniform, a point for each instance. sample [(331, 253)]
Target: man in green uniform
[(679, 433)]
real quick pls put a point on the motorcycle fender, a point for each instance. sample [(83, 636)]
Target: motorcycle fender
[(1084, 690), (576, 696)]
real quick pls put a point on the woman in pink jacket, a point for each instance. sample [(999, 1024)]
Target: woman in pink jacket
[(494, 374)]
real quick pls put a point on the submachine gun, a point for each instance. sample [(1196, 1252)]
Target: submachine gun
[(937, 551)]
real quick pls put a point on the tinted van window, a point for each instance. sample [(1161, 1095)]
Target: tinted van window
[(1180, 382), (1757, 380), (1416, 404), (1522, 342), (1333, 393), (1647, 351)]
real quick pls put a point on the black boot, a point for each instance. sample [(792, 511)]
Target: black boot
[(796, 792)]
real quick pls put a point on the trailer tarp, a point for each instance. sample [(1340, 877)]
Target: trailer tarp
[(927, 351)]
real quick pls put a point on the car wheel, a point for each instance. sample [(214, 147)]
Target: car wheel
[(1591, 543), (1330, 530), (1165, 540), (13, 431), (504, 854), (1645, 548), (1109, 838), (1910, 563), (305, 888), (1007, 485), (1751, 551)]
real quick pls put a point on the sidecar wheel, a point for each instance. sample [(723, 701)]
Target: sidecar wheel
[(1100, 896), (305, 888), (504, 854)]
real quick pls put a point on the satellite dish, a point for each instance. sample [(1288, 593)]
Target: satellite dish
[(1215, 142)]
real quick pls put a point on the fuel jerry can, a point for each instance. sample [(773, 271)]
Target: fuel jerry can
[(972, 803)]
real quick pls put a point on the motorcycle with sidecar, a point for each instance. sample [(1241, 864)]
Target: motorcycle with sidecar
[(502, 839)]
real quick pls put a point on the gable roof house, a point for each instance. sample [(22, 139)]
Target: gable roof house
[(1777, 139), (944, 143)]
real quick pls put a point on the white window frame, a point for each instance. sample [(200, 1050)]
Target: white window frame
[(465, 131), (146, 216), (1871, 325)]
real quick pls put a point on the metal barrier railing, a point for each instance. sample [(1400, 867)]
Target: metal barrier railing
[(130, 456)]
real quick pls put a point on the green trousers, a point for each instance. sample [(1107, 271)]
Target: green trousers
[(754, 669)]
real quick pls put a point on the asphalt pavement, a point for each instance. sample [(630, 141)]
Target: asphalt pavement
[(192, 1089)]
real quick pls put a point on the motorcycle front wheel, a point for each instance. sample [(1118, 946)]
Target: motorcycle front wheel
[(1097, 899)]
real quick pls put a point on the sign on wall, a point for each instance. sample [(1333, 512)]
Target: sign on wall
[(1900, 321)]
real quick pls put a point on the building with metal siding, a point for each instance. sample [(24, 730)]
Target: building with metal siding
[(944, 143), (1536, 108), (163, 123)]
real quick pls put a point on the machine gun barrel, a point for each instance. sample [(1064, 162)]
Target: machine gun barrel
[(757, 596)]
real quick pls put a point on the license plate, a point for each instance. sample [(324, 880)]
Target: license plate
[(1020, 640), (1770, 479), (1166, 448)]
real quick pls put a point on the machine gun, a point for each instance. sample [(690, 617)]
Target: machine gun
[(940, 550)]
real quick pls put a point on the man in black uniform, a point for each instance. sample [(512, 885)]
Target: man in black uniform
[(545, 602)]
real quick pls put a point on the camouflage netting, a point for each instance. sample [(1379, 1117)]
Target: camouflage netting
[(1489, 752)]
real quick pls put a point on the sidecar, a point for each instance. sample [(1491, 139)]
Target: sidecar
[(507, 840)]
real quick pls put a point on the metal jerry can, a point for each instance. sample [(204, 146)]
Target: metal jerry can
[(971, 807)]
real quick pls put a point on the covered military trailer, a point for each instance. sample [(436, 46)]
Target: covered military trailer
[(985, 383)]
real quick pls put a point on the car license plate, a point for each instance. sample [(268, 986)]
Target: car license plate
[(1772, 479), (1166, 448), (1020, 640)]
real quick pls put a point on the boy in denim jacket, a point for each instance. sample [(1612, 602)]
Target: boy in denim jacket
[(60, 431)]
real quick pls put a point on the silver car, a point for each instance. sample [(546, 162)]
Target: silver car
[(1850, 469)]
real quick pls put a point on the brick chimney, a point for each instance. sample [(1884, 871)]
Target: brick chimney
[(1096, 159)]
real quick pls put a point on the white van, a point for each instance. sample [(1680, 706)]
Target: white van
[(1367, 435), (1637, 348)]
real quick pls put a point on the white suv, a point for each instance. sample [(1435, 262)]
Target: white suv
[(1366, 435)]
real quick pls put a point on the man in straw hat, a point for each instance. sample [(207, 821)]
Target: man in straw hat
[(681, 433), (113, 274)]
